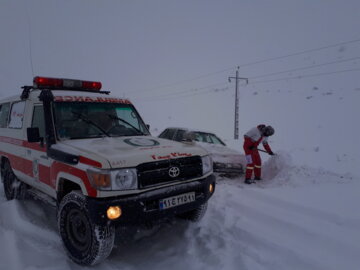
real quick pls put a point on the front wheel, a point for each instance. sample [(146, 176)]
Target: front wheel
[(195, 215), (86, 243)]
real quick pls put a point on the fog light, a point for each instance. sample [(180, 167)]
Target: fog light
[(211, 188), (113, 212)]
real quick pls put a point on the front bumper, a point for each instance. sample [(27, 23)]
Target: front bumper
[(144, 208), (228, 168)]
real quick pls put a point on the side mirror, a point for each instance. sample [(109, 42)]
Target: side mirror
[(189, 137), (33, 134), (148, 127)]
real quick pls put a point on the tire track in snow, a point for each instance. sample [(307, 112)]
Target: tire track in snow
[(296, 237), (235, 247), (12, 258), (303, 210)]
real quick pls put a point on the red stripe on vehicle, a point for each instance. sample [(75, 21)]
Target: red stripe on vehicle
[(20, 164), (58, 167), (34, 146), (90, 162), (48, 175), (11, 140), (18, 142), (45, 176)]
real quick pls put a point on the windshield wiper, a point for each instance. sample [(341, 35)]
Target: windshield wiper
[(126, 122), (88, 121)]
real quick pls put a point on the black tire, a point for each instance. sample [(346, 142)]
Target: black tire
[(85, 242), (13, 187), (196, 214)]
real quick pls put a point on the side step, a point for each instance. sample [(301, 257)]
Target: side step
[(38, 195)]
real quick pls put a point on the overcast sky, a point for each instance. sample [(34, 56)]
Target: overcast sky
[(148, 50)]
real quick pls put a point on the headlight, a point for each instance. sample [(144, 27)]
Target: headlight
[(207, 164), (124, 179)]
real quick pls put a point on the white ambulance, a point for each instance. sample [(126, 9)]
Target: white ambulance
[(94, 157)]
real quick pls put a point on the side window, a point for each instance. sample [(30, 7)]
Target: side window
[(216, 140), (170, 134), (179, 135), (38, 120), (4, 114), (199, 137), (17, 115), (164, 134)]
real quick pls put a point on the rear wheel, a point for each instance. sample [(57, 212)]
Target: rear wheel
[(86, 243), (195, 215), (13, 188)]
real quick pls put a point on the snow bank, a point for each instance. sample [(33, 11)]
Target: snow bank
[(279, 170)]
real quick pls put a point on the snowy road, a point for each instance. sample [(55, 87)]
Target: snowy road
[(300, 218)]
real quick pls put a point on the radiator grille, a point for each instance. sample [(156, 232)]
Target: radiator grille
[(156, 173)]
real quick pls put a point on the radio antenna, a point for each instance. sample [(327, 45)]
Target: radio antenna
[(29, 32)]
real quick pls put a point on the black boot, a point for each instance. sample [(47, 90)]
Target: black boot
[(257, 178), (249, 181)]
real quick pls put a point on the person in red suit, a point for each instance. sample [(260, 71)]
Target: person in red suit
[(252, 139)]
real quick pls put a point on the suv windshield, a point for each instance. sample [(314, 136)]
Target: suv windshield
[(79, 120), (207, 138)]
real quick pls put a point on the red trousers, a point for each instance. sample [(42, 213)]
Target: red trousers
[(253, 159)]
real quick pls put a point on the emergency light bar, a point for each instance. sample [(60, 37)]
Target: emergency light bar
[(67, 84)]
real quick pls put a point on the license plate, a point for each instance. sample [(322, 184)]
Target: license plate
[(177, 200)]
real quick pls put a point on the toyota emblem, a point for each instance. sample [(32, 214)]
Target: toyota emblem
[(174, 172)]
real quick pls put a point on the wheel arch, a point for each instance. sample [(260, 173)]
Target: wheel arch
[(66, 183)]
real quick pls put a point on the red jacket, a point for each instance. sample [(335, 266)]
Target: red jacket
[(253, 138)]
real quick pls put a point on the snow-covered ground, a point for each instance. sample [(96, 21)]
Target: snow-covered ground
[(296, 218)]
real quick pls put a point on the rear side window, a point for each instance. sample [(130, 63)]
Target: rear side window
[(167, 134), (179, 135), (38, 120), (17, 115), (4, 114)]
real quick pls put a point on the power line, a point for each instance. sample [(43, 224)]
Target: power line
[(217, 90), (306, 67), (260, 76), (186, 91), (184, 81), (249, 64), (265, 81), (300, 53), (306, 76)]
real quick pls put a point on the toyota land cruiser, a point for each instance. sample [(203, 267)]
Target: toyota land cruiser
[(94, 157)]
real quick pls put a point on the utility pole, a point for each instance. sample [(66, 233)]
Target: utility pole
[(236, 125)]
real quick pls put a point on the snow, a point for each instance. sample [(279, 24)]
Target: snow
[(298, 217)]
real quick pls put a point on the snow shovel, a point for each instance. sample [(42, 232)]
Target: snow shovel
[(265, 151)]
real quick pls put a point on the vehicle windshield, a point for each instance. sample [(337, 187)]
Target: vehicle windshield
[(80, 120), (208, 138)]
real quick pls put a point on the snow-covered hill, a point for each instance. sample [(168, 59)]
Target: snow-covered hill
[(296, 218)]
